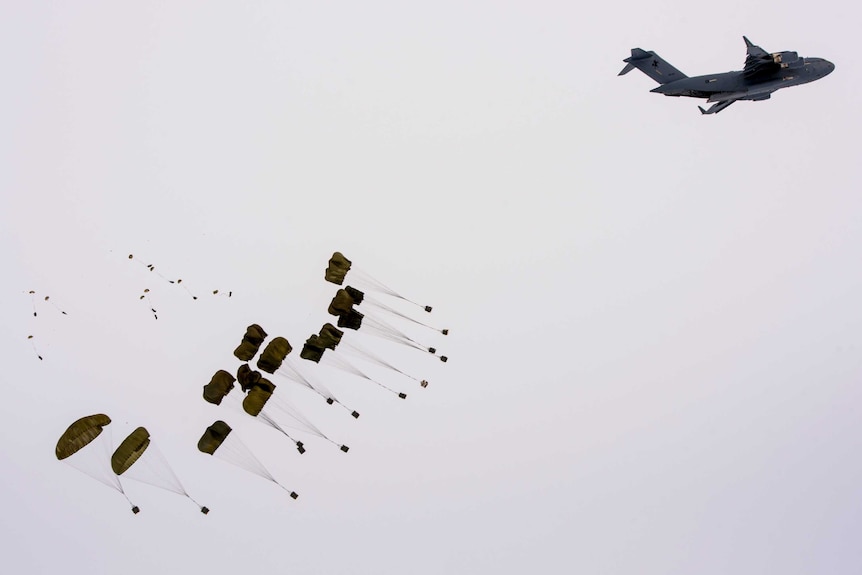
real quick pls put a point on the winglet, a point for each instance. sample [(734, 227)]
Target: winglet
[(702, 111), (747, 42)]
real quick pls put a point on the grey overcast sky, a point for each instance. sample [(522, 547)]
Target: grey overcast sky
[(656, 335)]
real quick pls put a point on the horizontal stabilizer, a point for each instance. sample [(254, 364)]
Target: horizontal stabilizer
[(652, 65)]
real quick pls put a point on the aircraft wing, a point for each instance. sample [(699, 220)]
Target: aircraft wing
[(724, 99), (758, 62), (752, 50)]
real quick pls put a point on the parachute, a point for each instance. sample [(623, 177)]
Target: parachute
[(178, 282), (137, 457), (261, 402), (351, 318), (251, 341), (219, 440), (218, 387), (339, 266), (271, 360), (316, 346), (273, 355), (33, 302), (85, 445)]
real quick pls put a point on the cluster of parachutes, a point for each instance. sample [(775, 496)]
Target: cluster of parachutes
[(86, 446), (257, 396), (145, 294)]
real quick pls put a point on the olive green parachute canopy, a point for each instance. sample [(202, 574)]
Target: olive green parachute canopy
[(80, 434), (255, 400), (313, 349), (341, 303), (218, 387), (355, 294), (214, 436), (247, 377), (254, 336), (130, 450), (351, 319), (330, 336), (273, 355), (337, 268)]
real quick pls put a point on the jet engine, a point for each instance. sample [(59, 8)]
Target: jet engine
[(787, 59)]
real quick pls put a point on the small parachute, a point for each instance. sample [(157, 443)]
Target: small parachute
[(86, 445), (137, 457), (36, 303), (177, 282), (219, 440)]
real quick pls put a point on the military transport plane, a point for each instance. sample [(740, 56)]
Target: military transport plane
[(762, 75)]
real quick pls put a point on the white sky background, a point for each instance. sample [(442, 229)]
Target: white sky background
[(655, 347)]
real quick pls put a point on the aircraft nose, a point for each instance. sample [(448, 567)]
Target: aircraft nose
[(823, 67)]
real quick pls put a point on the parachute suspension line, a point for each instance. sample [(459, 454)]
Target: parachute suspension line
[(235, 452), (290, 411), (46, 299), (180, 283), (293, 494), (263, 416), (150, 267), (297, 377), (95, 462), (393, 311), (362, 277), (33, 345), (373, 358), (153, 468), (386, 331), (336, 361), (146, 295), (33, 302)]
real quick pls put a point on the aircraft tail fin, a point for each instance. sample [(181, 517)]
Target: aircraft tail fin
[(652, 65)]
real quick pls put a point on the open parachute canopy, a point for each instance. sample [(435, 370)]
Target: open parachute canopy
[(130, 450), (251, 341), (80, 434), (219, 440), (273, 354), (213, 437), (337, 268), (218, 387), (73, 447), (137, 457)]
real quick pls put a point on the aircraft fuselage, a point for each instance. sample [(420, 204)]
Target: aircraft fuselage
[(735, 82)]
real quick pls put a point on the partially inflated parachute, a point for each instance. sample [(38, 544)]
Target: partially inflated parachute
[(251, 341)]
